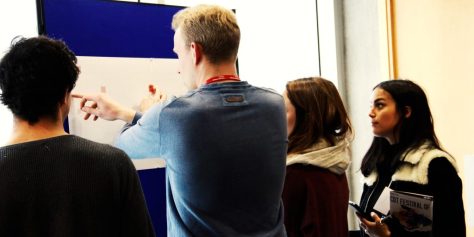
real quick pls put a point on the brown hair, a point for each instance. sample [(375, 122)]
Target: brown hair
[(212, 27), (320, 113)]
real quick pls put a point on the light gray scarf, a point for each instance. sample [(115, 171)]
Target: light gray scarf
[(334, 158)]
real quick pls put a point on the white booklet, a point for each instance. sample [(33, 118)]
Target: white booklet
[(413, 211), (383, 203)]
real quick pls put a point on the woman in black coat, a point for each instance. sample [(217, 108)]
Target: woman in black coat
[(405, 155)]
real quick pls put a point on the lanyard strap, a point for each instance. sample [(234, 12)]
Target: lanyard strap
[(222, 78)]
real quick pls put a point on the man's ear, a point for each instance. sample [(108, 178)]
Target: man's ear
[(64, 106), (196, 51), (66, 98), (407, 111)]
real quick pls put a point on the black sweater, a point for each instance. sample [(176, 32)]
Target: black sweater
[(69, 186)]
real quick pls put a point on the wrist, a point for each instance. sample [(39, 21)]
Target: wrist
[(127, 115)]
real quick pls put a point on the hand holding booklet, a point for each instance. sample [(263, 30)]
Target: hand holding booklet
[(413, 211)]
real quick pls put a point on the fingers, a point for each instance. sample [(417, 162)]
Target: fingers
[(82, 103), (101, 106), (163, 97), (75, 95), (160, 95), (375, 217), (90, 110), (83, 100), (364, 228), (86, 97), (374, 228), (362, 219)]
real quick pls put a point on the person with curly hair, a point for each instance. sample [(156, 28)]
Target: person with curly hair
[(53, 183)]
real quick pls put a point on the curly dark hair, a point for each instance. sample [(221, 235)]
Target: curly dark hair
[(35, 76)]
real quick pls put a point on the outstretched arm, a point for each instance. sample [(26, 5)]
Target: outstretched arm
[(102, 106)]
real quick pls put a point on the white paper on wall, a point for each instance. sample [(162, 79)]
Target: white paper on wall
[(126, 80)]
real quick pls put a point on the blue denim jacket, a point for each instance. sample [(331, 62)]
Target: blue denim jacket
[(225, 149)]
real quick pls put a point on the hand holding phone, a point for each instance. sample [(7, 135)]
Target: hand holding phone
[(358, 210)]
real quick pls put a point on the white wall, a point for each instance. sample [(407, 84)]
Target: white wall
[(435, 47), (278, 39), (366, 54), (16, 18)]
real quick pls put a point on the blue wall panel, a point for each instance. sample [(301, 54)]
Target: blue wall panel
[(110, 28)]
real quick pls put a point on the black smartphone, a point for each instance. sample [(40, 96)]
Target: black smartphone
[(359, 210)]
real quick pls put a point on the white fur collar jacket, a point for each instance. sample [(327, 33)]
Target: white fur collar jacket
[(414, 167), (428, 171)]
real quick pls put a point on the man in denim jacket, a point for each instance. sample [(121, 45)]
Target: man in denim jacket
[(224, 142)]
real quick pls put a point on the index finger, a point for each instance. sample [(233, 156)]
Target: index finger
[(85, 97), (77, 96), (363, 220), (375, 217)]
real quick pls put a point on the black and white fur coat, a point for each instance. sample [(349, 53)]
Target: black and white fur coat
[(428, 171)]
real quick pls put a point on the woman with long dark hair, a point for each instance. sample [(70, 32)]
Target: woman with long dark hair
[(316, 191), (405, 155)]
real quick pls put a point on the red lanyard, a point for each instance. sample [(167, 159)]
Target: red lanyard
[(222, 78)]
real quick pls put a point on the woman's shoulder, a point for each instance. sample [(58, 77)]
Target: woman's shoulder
[(424, 154), (416, 164)]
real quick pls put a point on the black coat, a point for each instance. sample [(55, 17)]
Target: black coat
[(429, 172)]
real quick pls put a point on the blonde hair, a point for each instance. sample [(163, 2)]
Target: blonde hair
[(214, 28)]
